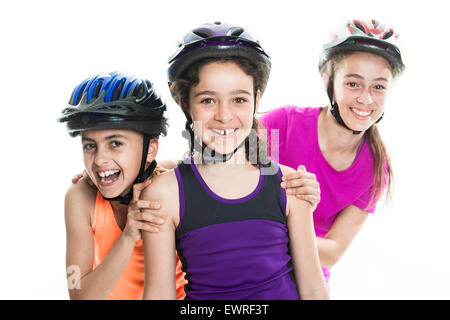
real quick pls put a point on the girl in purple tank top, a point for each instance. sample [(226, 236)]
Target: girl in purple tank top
[(238, 235), (341, 144)]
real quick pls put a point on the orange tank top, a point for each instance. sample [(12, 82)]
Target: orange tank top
[(106, 232)]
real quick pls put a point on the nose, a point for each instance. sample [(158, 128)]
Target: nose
[(224, 113), (365, 98), (101, 157)]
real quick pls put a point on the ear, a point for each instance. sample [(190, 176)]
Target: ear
[(257, 98), (152, 150)]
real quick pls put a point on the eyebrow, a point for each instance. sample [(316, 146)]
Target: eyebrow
[(209, 92), (241, 91), (355, 75), (205, 92), (114, 136)]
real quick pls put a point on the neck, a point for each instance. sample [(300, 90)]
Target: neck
[(118, 207), (333, 136), (237, 163)]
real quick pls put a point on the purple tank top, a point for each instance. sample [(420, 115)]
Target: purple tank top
[(234, 249)]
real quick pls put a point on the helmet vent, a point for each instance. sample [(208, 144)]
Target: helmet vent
[(202, 33), (76, 99), (235, 31), (118, 91), (388, 34), (97, 90), (360, 27)]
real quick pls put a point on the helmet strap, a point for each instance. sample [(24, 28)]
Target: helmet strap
[(209, 155), (142, 175), (335, 108)]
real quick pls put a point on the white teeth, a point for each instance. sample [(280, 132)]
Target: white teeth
[(223, 132), (104, 174), (361, 113)]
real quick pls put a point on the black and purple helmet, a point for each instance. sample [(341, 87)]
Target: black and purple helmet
[(216, 40)]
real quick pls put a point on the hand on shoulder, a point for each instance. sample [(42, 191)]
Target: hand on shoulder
[(164, 190), (293, 202)]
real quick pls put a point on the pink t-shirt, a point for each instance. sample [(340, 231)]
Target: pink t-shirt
[(299, 144)]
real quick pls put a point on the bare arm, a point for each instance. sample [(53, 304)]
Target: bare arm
[(305, 257), (159, 248), (303, 248), (344, 229), (84, 281), (89, 283)]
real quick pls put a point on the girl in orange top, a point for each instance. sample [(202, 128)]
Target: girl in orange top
[(119, 118)]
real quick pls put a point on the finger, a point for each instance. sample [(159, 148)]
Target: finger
[(143, 204), (300, 183), (301, 168), (143, 216), (299, 175), (313, 200), (148, 217), (304, 190), (87, 178), (76, 178), (139, 187), (147, 227), (293, 183)]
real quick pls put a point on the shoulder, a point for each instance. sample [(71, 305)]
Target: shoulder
[(293, 204), (79, 201), (164, 190), (285, 169), (161, 187), (81, 193)]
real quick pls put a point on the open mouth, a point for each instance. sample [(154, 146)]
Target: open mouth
[(224, 133), (108, 177), (361, 113)]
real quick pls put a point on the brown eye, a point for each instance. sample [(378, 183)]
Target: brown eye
[(207, 101), (116, 144), (88, 146)]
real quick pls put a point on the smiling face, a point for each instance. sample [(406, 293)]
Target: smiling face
[(362, 82), (112, 159), (223, 103)]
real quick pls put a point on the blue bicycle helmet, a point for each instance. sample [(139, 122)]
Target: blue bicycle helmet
[(113, 101), (117, 101)]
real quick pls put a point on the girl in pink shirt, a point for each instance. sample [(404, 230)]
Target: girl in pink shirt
[(340, 143)]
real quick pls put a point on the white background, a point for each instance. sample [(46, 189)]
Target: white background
[(47, 47)]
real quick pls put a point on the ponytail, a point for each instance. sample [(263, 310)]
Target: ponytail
[(383, 175)]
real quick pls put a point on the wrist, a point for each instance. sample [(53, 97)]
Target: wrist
[(128, 239)]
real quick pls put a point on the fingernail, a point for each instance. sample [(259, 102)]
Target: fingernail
[(283, 178), (157, 205), (283, 184), (160, 221)]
